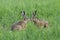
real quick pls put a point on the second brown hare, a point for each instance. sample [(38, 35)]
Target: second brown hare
[(39, 23), (20, 25)]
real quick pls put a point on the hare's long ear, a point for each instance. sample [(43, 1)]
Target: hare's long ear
[(34, 13), (23, 13)]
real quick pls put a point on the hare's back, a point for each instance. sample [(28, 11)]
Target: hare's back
[(16, 27)]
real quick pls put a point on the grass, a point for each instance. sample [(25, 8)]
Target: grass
[(46, 9)]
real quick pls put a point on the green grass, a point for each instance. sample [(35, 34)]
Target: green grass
[(46, 9)]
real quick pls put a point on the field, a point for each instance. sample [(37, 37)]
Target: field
[(10, 12)]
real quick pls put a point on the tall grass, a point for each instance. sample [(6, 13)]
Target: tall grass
[(46, 9)]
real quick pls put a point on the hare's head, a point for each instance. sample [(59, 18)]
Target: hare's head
[(25, 18), (34, 15)]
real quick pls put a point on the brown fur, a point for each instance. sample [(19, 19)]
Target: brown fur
[(21, 24), (39, 23)]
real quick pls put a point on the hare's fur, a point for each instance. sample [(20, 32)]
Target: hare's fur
[(39, 23), (21, 24)]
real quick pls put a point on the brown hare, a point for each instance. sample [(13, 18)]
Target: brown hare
[(21, 24), (39, 23)]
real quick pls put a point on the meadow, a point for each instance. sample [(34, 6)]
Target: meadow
[(10, 12)]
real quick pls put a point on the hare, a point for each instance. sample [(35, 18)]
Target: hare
[(39, 23), (21, 24)]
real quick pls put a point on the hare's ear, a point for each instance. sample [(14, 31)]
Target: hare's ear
[(23, 13), (34, 13)]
